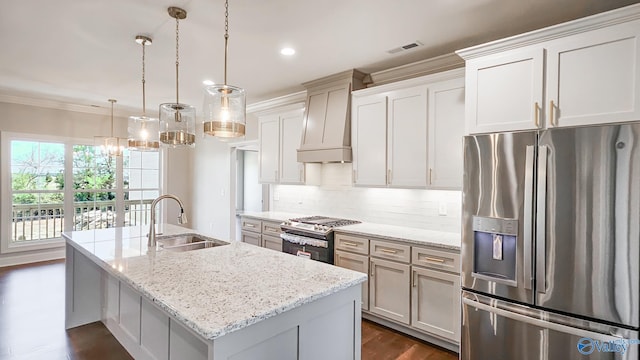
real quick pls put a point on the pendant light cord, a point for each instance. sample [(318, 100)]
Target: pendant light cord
[(112, 101), (177, 58), (144, 102), (226, 37)]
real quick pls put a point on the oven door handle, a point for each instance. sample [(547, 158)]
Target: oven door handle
[(303, 240)]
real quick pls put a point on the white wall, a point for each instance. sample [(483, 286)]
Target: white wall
[(211, 183), (402, 207)]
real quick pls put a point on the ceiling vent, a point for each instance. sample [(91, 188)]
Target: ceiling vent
[(406, 47)]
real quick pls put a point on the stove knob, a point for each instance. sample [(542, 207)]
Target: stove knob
[(316, 227), (287, 222)]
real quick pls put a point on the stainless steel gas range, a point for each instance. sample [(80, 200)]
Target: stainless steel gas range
[(311, 237)]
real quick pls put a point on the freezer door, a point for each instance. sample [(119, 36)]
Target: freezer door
[(497, 217), (588, 232), (498, 330)]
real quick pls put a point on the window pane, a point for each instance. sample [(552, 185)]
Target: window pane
[(150, 160), (36, 166), (150, 179)]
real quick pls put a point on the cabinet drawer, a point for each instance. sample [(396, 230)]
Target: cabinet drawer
[(252, 238), (391, 251), (272, 242), (252, 225), (351, 243), (436, 259), (271, 228)]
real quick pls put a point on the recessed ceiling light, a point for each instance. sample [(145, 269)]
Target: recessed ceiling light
[(287, 51), (208, 82)]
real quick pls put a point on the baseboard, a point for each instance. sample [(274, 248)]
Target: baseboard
[(31, 257), (411, 332)]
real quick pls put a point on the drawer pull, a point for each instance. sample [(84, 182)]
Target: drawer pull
[(249, 225), (389, 251), (269, 228), (435, 260), (346, 243)]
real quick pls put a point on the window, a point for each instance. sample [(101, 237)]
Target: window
[(37, 182), (51, 185)]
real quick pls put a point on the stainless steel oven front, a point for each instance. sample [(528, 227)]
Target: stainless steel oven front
[(308, 247)]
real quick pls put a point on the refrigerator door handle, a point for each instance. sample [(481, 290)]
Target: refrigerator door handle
[(541, 226), (540, 323), (528, 215)]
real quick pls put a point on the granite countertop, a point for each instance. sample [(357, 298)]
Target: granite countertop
[(217, 290), (441, 239), (270, 215)]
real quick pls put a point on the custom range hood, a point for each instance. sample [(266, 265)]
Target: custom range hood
[(326, 133)]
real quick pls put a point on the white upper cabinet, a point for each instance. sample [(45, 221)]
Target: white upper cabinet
[(369, 140), (291, 171), (594, 77), (583, 72), (279, 136), (407, 138), (269, 152), (502, 91), (446, 130), (409, 134)]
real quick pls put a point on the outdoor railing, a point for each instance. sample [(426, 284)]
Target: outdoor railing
[(46, 221)]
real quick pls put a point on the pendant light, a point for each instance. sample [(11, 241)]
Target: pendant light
[(143, 130), (177, 121), (110, 145), (224, 105)]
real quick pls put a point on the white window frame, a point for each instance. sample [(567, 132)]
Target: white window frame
[(6, 244)]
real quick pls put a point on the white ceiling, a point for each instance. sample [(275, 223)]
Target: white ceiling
[(83, 52)]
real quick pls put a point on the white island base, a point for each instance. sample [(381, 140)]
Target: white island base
[(326, 328)]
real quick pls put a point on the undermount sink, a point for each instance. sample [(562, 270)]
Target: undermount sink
[(187, 243)]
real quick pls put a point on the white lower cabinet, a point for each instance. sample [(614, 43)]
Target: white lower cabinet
[(359, 263), (154, 331), (435, 302), (251, 238), (272, 242), (412, 288), (389, 290)]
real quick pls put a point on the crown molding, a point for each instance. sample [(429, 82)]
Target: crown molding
[(416, 69), (294, 100), (66, 106), (417, 81), (589, 23)]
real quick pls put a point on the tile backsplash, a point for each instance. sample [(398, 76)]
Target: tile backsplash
[(424, 209)]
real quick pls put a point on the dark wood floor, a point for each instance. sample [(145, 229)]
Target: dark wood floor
[(32, 325)]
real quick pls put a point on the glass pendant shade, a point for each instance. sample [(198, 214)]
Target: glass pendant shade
[(143, 133), (224, 111), (177, 125), (110, 145)]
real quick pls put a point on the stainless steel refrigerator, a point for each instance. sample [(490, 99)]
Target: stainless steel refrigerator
[(551, 244)]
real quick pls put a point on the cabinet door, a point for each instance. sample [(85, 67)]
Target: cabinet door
[(251, 238), (356, 263), (446, 129), (269, 134), (369, 140), (594, 77), (502, 91), (291, 171), (435, 302), (389, 290), (272, 242), (407, 138)]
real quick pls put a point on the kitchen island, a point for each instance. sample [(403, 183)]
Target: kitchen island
[(234, 301)]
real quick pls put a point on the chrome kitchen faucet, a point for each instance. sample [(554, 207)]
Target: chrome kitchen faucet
[(182, 218)]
